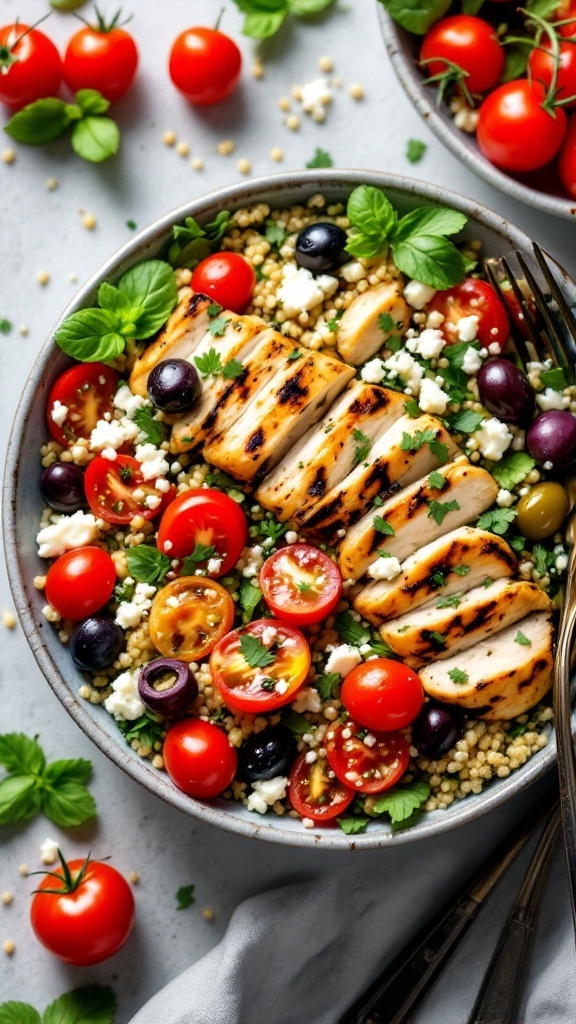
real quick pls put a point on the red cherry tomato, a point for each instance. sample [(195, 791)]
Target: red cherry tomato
[(88, 921), (227, 278), (199, 758), (259, 667), (566, 12), (567, 159), (87, 391), (369, 763), (472, 298), (117, 491), (80, 582), (300, 584), (36, 71), (515, 132), (204, 65), (382, 694), (315, 792), (103, 58), (469, 42), (541, 65), (204, 516)]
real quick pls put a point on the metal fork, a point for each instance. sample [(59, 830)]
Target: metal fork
[(551, 326)]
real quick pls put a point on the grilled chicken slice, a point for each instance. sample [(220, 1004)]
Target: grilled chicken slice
[(471, 618), (222, 401), (296, 397), (411, 518), (328, 452), (386, 463), (359, 332), (501, 678), (430, 571)]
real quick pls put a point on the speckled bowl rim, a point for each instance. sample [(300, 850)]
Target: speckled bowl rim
[(25, 597), (423, 98)]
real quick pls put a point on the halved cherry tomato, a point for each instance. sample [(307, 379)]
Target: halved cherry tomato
[(469, 42), (515, 132), (382, 694), (80, 582), (315, 792), (472, 298), (368, 767), (116, 490), (204, 516), (87, 391), (103, 57), (204, 65), (199, 758), (300, 584), (189, 616), (30, 66), (227, 278), (259, 667)]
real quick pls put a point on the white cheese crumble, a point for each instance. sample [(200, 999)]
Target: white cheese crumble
[(504, 498), (266, 793), (152, 461), (49, 851), (402, 365), (353, 272), (307, 699), (472, 361), (301, 291), (124, 702), (269, 635), (112, 434), (250, 561), (467, 328), (418, 295), (282, 686), (432, 398), (550, 399), (67, 533), (214, 564), (373, 372), (59, 414), (493, 439), (384, 568), (344, 658), (130, 613), (315, 95), (129, 403), (291, 537), (428, 344)]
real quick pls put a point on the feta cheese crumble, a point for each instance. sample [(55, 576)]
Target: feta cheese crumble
[(266, 793), (428, 344), (373, 372), (550, 399), (384, 568), (344, 658), (49, 851), (129, 403), (66, 533), (301, 291), (493, 439), (113, 434), (418, 295), (152, 461), (402, 365), (432, 398), (124, 702), (472, 361), (130, 613), (467, 328), (59, 413)]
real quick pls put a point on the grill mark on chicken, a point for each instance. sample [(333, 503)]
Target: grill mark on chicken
[(492, 547), (318, 486), (291, 393), (197, 299), (256, 441), (328, 510), (374, 401)]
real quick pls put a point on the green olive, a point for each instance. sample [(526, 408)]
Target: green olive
[(542, 511)]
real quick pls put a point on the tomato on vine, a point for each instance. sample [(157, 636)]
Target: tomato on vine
[(103, 57), (519, 128), (30, 65), (466, 48)]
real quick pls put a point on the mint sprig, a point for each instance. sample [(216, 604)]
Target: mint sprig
[(57, 789), (93, 136)]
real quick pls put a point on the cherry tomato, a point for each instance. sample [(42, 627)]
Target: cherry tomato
[(208, 517), (259, 667), (204, 65), (198, 758), (472, 298), (300, 584), (515, 132), (37, 68), (469, 42), (567, 159), (80, 582), (189, 616), (104, 58), (87, 391), (369, 762), (227, 278), (117, 491), (91, 917), (382, 694), (541, 65), (566, 12), (315, 792)]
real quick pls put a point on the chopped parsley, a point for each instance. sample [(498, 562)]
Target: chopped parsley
[(304, 588), (232, 369), (210, 365), (269, 527), (353, 826), (201, 553), (438, 510), (555, 379), (438, 578), (214, 309), (249, 598), (387, 323), (320, 159), (5, 325), (437, 638), (326, 684), (383, 526), (452, 601), (147, 564), (461, 570), (512, 469), (255, 653), (415, 150), (413, 442), (466, 421), (412, 408), (497, 520), (363, 446), (457, 675), (332, 324), (154, 431), (185, 897), (400, 802), (521, 639), (274, 234), (296, 354), (217, 327), (268, 684), (436, 480)]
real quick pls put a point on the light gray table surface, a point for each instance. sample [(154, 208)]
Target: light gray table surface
[(42, 230)]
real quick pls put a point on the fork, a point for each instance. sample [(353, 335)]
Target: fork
[(554, 332)]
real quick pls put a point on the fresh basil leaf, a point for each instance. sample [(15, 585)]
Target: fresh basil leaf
[(430, 259), (190, 254), (20, 754), (416, 15), (303, 8), (68, 804), (91, 101), (91, 335), (19, 799), (67, 770), (262, 26), (364, 247), (150, 286), (110, 298), (18, 1013), (40, 122), (91, 1004), (370, 211), (147, 564), (428, 220), (353, 826), (95, 138)]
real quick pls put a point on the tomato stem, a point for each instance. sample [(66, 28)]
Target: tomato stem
[(101, 24), (549, 103), (452, 77), (219, 19), (71, 883), (7, 57)]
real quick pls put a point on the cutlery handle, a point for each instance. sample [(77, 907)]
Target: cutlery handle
[(563, 723)]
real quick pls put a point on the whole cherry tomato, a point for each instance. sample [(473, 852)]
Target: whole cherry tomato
[(382, 694), (315, 792), (198, 758), (227, 278), (204, 65), (86, 391), (470, 43), (84, 915), (300, 584), (472, 298), (541, 66), (30, 66), (204, 518), (103, 57), (567, 159), (80, 582), (515, 131)]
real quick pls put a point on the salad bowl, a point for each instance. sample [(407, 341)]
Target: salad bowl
[(23, 506)]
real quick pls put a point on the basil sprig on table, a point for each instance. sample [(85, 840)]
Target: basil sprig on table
[(417, 241), (93, 136), (58, 789), (90, 1004), (139, 305), (417, 15), (265, 17)]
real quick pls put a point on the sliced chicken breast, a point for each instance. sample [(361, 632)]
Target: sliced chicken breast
[(501, 677), (297, 396), (222, 400), (328, 451), (360, 333), (387, 463), (438, 631), (414, 519), (431, 570)]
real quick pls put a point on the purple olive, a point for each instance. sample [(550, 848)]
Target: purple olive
[(552, 438), (505, 391), (62, 487), (174, 385), (177, 697), (437, 729), (96, 643)]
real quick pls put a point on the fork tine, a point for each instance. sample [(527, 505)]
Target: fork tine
[(560, 356), (533, 331), (517, 336), (556, 292)]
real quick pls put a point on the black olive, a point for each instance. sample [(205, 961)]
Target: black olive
[(96, 643), (174, 385), (437, 728), (178, 697), (320, 246), (267, 754), (62, 487)]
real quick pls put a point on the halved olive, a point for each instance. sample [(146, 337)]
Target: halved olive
[(542, 511)]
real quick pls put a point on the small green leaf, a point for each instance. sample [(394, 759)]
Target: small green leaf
[(154, 431), (18, 1013), (185, 897), (249, 598), (147, 564), (497, 520), (353, 826), (20, 754), (68, 804), (19, 799), (416, 15), (274, 233), (91, 101), (305, 8), (412, 408), (95, 138), (415, 150), (437, 638), (521, 639), (451, 601), (438, 510), (439, 579), (466, 421), (90, 1004), (350, 631), (363, 447), (457, 675), (461, 570), (255, 653), (321, 158), (436, 480), (5, 326), (326, 683), (40, 122), (555, 379), (296, 723), (209, 365), (401, 801), (67, 770), (218, 326), (232, 369), (382, 526), (150, 288), (512, 469), (262, 25), (91, 335), (201, 553)]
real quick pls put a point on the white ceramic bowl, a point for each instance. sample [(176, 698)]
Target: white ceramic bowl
[(23, 504), (542, 189)]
